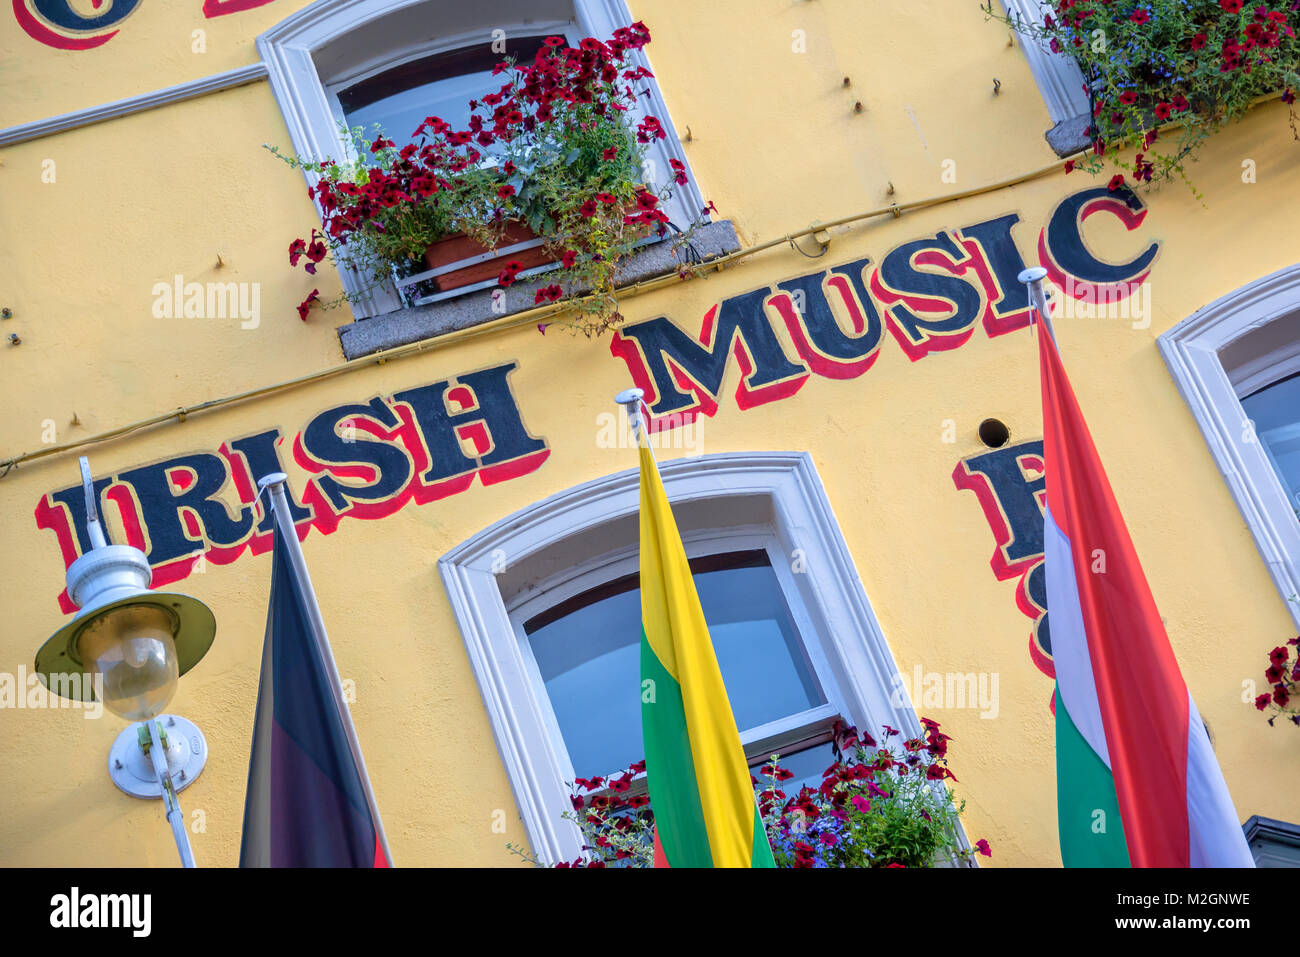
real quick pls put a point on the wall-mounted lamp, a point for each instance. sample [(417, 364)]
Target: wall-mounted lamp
[(128, 646)]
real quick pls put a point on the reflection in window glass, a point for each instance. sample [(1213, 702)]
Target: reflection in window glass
[(588, 650), (806, 766), (1275, 410), (441, 85)]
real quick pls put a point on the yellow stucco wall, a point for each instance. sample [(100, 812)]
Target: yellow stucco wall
[(776, 145)]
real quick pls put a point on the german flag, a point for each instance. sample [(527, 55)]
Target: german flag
[(700, 788)]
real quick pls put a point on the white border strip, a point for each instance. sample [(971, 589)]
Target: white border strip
[(215, 83)]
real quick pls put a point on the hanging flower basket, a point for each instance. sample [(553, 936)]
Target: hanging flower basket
[(461, 247), (553, 159)]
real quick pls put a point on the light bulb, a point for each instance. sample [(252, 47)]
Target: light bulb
[(133, 652)]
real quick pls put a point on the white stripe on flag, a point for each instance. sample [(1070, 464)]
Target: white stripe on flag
[(1070, 641), (1216, 838)]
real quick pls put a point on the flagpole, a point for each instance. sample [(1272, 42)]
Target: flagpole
[(274, 485), (1033, 278), (631, 401)]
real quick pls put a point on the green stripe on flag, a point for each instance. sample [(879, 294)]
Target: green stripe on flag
[(762, 849), (670, 769), (1091, 832)]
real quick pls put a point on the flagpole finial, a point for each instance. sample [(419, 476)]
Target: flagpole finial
[(1033, 278), (630, 396), (274, 478)]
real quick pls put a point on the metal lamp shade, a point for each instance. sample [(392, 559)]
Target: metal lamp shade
[(104, 579)]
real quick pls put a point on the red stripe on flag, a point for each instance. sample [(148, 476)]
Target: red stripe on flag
[(1141, 693), (661, 859)]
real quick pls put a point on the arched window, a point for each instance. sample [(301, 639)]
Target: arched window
[(547, 603), (367, 61), (1237, 363)]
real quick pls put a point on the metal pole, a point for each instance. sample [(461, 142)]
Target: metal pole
[(1033, 278), (274, 485), (174, 816), (95, 530), (632, 400)]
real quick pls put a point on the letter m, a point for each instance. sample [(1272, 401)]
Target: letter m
[(684, 375)]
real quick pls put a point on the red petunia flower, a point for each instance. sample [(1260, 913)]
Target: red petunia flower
[(679, 172), (587, 209), (568, 258), (1261, 701), (297, 249), (1140, 17), (1199, 41), (1163, 110), (1116, 182), (1231, 6), (1069, 166), (304, 307), (983, 847), (505, 191), (509, 273), (609, 153), (1180, 103), (550, 294), (1279, 654), (1281, 696), (1128, 97)]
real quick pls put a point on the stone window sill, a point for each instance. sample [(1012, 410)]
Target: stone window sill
[(1070, 135), (364, 337)]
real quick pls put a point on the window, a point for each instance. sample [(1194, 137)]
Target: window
[(1057, 75), (387, 61), (586, 650), (546, 598), (400, 97), (1275, 412), (1237, 364), (1273, 843)]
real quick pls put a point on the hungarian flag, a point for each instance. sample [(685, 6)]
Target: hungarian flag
[(1137, 782), (308, 801), (700, 788)]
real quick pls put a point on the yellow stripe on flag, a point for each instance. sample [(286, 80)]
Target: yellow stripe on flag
[(677, 634)]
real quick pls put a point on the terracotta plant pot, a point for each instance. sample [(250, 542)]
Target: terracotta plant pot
[(455, 248)]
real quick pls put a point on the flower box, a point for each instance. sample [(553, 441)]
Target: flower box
[(454, 249)]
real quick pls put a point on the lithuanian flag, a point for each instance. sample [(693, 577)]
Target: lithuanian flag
[(703, 800)]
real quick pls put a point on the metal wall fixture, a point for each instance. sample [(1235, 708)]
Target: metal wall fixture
[(127, 646)]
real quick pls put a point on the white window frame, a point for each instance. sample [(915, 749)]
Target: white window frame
[(759, 741), (1057, 75), (829, 588), (309, 103), (1192, 351)]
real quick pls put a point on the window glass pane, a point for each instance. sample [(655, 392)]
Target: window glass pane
[(806, 766), (588, 650), (1275, 410), (441, 85)]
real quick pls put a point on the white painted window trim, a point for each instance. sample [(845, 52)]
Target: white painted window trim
[(1191, 351), (774, 735), (831, 591), (309, 105), (1057, 75)]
